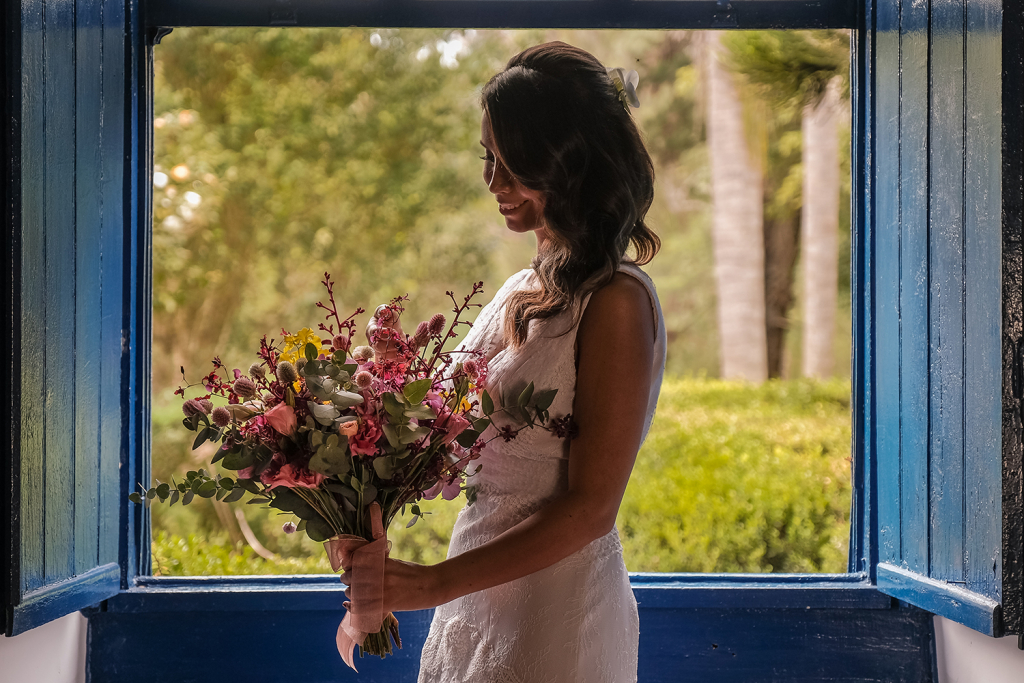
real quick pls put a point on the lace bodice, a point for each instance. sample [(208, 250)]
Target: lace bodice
[(576, 620)]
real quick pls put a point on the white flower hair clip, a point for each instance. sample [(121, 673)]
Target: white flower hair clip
[(625, 83)]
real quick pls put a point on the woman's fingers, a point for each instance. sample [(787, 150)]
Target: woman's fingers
[(384, 333)]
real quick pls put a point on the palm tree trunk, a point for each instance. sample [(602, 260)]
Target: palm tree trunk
[(820, 232), (737, 227)]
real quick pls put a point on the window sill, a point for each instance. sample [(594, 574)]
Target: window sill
[(653, 591)]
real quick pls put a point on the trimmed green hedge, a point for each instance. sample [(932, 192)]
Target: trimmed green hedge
[(732, 478)]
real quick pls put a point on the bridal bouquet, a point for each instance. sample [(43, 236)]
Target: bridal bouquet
[(346, 439)]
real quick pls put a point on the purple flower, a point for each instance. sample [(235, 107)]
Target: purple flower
[(192, 407), (245, 387), (221, 416), (436, 325)]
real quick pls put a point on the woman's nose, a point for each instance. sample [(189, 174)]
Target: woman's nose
[(500, 178)]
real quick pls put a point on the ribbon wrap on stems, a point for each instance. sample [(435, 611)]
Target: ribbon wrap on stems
[(365, 561)]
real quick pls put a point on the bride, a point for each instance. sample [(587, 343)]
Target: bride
[(534, 588)]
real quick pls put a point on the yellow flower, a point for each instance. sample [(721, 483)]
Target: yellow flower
[(295, 344), (297, 386), (465, 406)]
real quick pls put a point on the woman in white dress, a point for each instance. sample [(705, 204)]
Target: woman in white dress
[(534, 589)]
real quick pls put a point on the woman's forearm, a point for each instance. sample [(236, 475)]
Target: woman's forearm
[(556, 531)]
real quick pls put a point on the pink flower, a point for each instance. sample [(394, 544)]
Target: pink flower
[(348, 428), (291, 476), (364, 442), (448, 490), (453, 424), (282, 418)]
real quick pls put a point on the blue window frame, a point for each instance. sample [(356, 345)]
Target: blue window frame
[(936, 372)]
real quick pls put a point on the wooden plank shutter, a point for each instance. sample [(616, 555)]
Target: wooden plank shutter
[(938, 311), (67, 296)]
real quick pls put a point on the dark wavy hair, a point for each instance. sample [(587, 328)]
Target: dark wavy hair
[(561, 129)]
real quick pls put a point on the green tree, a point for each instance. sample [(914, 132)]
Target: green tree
[(284, 153), (803, 77)]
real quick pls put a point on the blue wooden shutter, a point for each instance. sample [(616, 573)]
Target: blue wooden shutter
[(68, 263), (938, 310)]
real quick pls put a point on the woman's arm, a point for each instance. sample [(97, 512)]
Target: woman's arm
[(615, 343)]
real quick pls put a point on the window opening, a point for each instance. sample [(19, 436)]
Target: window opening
[(284, 153)]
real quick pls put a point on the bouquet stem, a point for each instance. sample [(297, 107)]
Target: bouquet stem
[(379, 644)]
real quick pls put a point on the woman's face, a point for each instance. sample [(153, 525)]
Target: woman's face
[(522, 207)]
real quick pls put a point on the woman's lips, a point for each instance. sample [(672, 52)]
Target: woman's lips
[(507, 209)]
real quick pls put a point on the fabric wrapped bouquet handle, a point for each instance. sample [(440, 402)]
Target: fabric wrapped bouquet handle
[(365, 560)]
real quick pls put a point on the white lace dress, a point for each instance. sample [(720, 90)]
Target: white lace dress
[(575, 621)]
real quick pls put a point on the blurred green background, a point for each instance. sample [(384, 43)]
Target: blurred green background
[(285, 153)]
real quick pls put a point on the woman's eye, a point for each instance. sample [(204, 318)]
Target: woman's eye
[(488, 158)]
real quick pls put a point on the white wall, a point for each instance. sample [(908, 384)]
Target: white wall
[(52, 653), (966, 656)]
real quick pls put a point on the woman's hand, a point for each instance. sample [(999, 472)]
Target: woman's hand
[(381, 333), (407, 586)]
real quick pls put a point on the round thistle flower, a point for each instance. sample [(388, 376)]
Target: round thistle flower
[(257, 371), (192, 407), (436, 325), (422, 335), (471, 367), (289, 527), (207, 405), (363, 379), (244, 387), (362, 353), (299, 364), (341, 343), (221, 416), (286, 373)]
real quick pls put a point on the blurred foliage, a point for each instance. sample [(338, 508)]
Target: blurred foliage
[(741, 478), (284, 153), (732, 478)]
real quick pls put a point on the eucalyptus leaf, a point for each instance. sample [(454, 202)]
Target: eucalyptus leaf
[(187, 497), (135, 497), (318, 529), (323, 414), (287, 500), (416, 391), (467, 438), (408, 435), (486, 403), (384, 467), (421, 412), (345, 399), (331, 459), (239, 459), (310, 352), (525, 397), (249, 485), (207, 489), (201, 438), (392, 435), (235, 495), (542, 399), (393, 405)]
